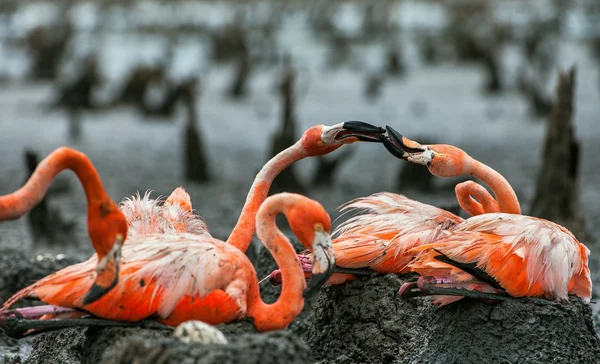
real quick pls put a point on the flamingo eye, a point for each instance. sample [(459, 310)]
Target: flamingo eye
[(319, 227)]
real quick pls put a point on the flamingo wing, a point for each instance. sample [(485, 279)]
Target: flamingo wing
[(175, 277), (385, 229), (525, 255)]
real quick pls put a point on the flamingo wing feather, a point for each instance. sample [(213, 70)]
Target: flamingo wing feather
[(386, 227), (159, 274), (527, 256)]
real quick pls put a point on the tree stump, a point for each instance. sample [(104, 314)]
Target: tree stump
[(557, 196), (286, 135), (326, 168), (195, 159)]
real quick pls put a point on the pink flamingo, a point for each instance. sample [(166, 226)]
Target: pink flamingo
[(107, 227), (317, 140), (381, 237), (173, 270)]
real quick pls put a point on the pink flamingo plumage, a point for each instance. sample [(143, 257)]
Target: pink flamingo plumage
[(176, 271), (107, 227), (498, 253), (495, 255), (381, 237), (317, 140)]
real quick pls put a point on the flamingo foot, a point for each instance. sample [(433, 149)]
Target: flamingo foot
[(18, 327)]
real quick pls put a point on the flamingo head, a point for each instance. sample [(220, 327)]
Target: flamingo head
[(322, 139), (311, 224), (107, 228), (442, 160)]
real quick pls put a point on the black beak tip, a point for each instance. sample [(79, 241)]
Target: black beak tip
[(317, 280), (394, 135), (361, 126), (96, 292), (393, 149)]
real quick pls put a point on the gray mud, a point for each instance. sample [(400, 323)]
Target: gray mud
[(20, 270), (366, 322), (137, 345)]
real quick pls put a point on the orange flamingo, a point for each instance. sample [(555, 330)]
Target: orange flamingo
[(107, 227), (492, 255), (176, 276), (318, 140), (381, 237), (495, 255)]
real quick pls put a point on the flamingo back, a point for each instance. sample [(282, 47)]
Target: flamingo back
[(387, 226), (146, 215), (175, 277), (527, 256)]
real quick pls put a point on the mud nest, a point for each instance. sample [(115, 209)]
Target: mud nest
[(366, 322)]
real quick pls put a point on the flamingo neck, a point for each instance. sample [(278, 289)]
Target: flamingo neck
[(241, 236), (482, 202), (18, 203), (506, 196), (278, 315)]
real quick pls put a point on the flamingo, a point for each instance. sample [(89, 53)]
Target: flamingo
[(174, 270), (495, 254), (381, 237), (492, 255), (317, 140), (107, 227)]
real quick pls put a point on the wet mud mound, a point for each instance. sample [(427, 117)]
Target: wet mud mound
[(273, 347), (366, 322), (20, 270), (137, 345)]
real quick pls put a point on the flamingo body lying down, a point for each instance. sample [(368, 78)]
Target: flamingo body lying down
[(518, 255), (174, 270)]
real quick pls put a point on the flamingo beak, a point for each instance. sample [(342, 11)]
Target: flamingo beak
[(362, 131), (107, 273), (323, 262), (403, 148)]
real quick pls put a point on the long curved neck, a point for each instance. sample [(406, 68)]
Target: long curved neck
[(241, 236), (18, 203), (506, 196), (278, 315), (475, 199)]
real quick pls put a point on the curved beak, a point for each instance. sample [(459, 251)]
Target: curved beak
[(403, 148), (107, 273), (323, 262), (360, 130)]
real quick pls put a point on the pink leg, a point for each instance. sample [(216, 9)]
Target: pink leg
[(34, 312)]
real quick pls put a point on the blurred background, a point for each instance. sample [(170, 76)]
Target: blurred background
[(201, 94)]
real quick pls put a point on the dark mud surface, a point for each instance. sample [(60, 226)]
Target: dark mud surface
[(365, 322)]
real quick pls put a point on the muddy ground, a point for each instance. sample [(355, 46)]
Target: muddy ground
[(363, 321)]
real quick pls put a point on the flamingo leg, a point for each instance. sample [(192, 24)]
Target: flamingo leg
[(17, 327), (426, 286), (34, 312), (355, 271)]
